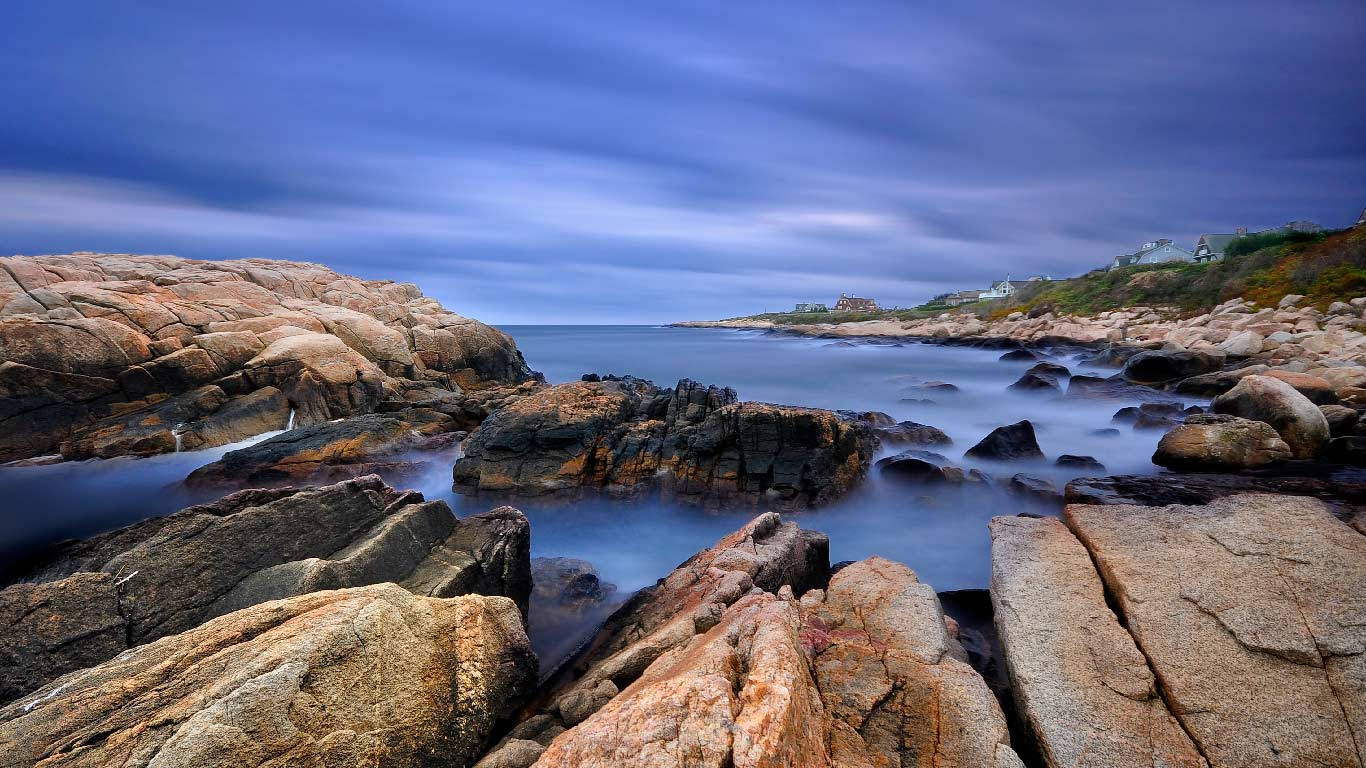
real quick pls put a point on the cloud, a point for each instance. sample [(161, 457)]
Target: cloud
[(714, 159)]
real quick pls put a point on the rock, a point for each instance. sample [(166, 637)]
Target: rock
[(1244, 344), (173, 573), (911, 433), (1018, 355), (938, 386), (329, 452), (49, 629), (1050, 369), (926, 467), (1220, 443), (1106, 432), (1162, 366), (864, 671), (1290, 300), (696, 443), (1009, 443), (1078, 679), (1318, 390), (1342, 421), (1345, 490), (1245, 593), (1261, 398), (373, 675), (1072, 461), (132, 331), (1035, 382), (1115, 388), (568, 582), (1035, 487), (1347, 450), (1217, 383)]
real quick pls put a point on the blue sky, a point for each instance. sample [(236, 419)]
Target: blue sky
[(645, 162)]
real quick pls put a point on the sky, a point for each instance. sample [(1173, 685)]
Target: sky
[(602, 162)]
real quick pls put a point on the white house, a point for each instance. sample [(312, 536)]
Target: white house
[(1210, 247), (1008, 287)]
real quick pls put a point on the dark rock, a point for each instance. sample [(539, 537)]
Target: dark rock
[(874, 419), (915, 466), (695, 443), (938, 386), (590, 377), (47, 630), (1216, 383), (1008, 443), (911, 433), (1347, 450), (1162, 366), (1106, 432), (1019, 355), (1113, 388), (1342, 421), (1125, 415), (1034, 487), (1344, 488), (1079, 462), (1035, 382), (1050, 369), (331, 452), (171, 574), (568, 582)]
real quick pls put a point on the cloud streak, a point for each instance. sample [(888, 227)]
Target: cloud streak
[(605, 162)]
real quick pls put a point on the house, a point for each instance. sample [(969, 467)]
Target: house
[(1362, 220), (962, 297), (1210, 247), (855, 304), (1154, 252), (805, 307), (1003, 288)]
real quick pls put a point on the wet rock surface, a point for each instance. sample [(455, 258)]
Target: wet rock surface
[(168, 575), (366, 676), (1298, 420), (694, 443), (100, 348)]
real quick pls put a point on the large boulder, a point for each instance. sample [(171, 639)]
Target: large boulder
[(1159, 366), (1262, 398), (1317, 389), (865, 672), (911, 433), (1079, 680), (167, 575), (1008, 443), (1253, 593), (91, 341), (367, 676), (695, 443), (1220, 443)]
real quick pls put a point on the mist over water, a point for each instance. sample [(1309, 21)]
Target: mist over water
[(939, 532)]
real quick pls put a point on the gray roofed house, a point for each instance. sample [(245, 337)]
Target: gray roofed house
[(1155, 252), (1211, 247)]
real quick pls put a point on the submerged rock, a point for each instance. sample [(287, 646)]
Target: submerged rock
[(1035, 382), (366, 676), (331, 452), (1073, 461), (696, 443), (911, 433), (1009, 443), (168, 575), (1159, 366)]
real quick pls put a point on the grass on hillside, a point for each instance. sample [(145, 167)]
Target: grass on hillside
[(1325, 267)]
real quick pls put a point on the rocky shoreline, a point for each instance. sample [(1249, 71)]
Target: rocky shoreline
[(1210, 616)]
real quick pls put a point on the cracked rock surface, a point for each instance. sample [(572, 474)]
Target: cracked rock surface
[(367, 676), (167, 575), (1243, 617), (1079, 680), (1251, 612)]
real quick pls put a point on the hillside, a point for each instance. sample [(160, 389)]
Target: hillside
[(1324, 268)]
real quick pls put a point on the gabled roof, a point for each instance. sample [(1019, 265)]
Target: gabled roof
[(1216, 243)]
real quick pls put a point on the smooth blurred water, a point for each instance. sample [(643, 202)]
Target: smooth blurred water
[(939, 532)]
